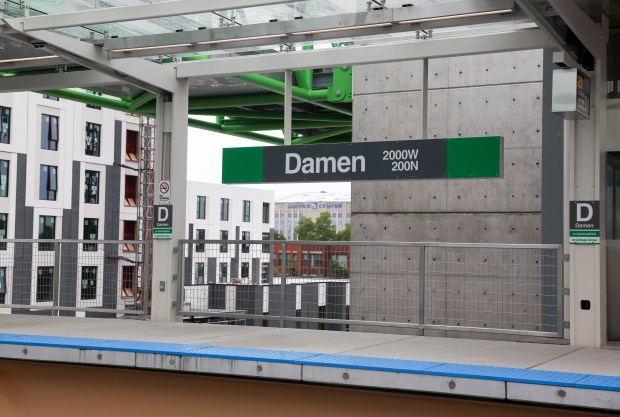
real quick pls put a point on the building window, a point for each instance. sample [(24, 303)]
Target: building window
[(245, 248), (4, 178), (245, 270), (5, 125), (131, 186), (201, 203), (50, 97), (264, 272), (266, 247), (223, 272), (246, 210), (266, 213), (89, 283), (48, 182), (224, 204), (47, 230), (3, 229), (45, 279), (129, 233), (93, 139), (91, 232), (3, 285), (131, 145), (93, 106), (91, 187), (223, 236), (49, 132), (199, 273), (316, 260), (128, 288), (200, 235)]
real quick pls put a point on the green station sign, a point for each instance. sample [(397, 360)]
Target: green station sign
[(452, 158)]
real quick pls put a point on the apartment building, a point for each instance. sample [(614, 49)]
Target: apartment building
[(222, 212), (291, 209)]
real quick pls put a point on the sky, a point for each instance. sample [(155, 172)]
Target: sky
[(205, 164)]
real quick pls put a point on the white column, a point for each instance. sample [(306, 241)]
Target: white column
[(171, 164), (288, 106), (587, 266)]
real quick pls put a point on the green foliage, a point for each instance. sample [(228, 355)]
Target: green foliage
[(337, 270), (344, 234), (278, 235), (321, 229)]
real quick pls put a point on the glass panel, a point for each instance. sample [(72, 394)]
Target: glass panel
[(3, 229), (45, 278), (4, 178), (89, 283)]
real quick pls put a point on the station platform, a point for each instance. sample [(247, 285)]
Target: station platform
[(545, 374)]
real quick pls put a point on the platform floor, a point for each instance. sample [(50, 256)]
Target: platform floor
[(284, 357)]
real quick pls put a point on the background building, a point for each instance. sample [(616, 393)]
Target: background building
[(290, 209)]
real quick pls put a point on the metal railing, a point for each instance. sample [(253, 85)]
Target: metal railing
[(102, 278), (374, 286)]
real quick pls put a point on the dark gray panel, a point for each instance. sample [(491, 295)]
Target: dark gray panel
[(552, 161), (255, 271), (24, 221), (310, 304), (189, 259), (234, 261), (111, 267), (250, 300), (275, 306), (217, 296), (335, 304), (211, 270)]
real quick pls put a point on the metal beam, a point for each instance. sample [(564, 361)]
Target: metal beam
[(376, 22), (55, 81), (145, 74), (138, 12), (357, 55), (588, 32)]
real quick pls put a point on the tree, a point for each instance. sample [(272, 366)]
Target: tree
[(278, 235), (320, 229), (344, 234)]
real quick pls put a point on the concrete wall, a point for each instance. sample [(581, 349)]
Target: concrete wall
[(488, 95)]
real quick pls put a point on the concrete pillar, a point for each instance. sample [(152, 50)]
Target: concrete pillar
[(586, 181), (171, 163)]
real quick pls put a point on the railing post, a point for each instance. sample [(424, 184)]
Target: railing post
[(56, 279), (181, 275), (146, 273), (421, 286), (560, 290), (282, 283)]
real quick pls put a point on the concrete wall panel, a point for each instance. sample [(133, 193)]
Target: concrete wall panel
[(393, 116), (447, 227), (385, 78), (400, 196), (518, 191), (490, 69)]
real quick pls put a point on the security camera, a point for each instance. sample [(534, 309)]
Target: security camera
[(38, 45)]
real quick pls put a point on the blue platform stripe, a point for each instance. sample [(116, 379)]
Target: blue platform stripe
[(370, 363), (528, 376), (601, 382)]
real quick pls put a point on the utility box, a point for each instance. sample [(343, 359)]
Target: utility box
[(571, 93)]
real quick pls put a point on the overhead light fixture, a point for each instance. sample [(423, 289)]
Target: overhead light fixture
[(32, 58), (454, 16), (340, 29), (247, 38), (146, 48)]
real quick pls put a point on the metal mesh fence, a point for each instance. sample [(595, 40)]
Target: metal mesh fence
[(361, 286), (72, 277)]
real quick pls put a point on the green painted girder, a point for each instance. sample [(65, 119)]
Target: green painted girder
[(271, 115), (249, 126), (217, 102)]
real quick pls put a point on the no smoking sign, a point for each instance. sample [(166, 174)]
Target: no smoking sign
[(164, 192)]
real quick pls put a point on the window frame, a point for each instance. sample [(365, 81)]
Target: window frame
[(223, 272), (95, 143), (46, 246), (266, 209), (45, 293), (245, 247), (90, 291), (224, 209), (5, 134), (199, 273), (50, 192), (53, 132), (245, 270), (201, 207), (90, 177), (87, 234), (200, 235), (223, 246), (5, 177), (246, 212), (3, 288)]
